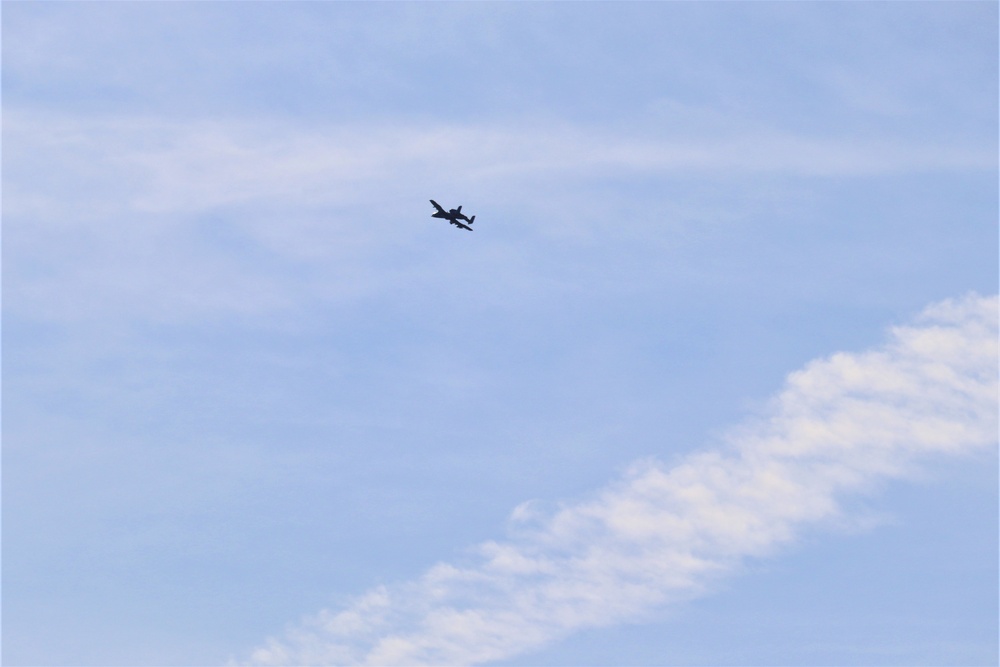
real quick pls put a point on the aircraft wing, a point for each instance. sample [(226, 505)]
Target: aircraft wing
[(456, 222), (438, 206)]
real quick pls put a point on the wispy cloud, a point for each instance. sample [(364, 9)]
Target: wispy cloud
[(169, 166), (663, 533), (142, 196)]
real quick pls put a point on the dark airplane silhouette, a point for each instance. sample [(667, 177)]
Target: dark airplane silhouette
[(453, 216)]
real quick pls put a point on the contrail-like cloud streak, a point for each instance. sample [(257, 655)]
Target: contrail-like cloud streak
[(662, 534)]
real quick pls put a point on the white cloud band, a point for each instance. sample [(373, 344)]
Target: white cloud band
[(661, 534)]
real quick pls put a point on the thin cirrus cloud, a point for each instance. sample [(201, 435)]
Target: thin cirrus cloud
[(168, 166), (661, 534), (136, 192)]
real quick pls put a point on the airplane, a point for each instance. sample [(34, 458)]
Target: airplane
[(453, 216)]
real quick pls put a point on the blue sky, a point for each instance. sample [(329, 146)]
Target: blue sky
[(713, 382)]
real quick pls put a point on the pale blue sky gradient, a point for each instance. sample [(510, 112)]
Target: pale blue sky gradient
[(247, 377)]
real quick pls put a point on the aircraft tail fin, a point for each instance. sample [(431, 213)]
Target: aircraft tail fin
[(472, 219)]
